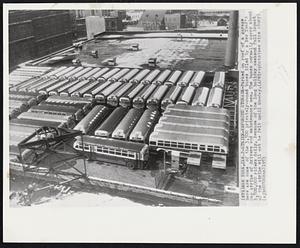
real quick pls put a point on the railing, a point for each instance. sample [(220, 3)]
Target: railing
[(95, 182)]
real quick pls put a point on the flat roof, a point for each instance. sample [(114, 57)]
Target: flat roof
[(190, 53)]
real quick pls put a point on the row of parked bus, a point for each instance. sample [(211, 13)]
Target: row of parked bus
[(88, 81), (124, 136), (19, 102), (127, 87), (215, 98), (55, 111), (26, 73), (119, 135), (41, 111), (119, 123), (67, 97), (142, 96), (63, 76), (144, 76)]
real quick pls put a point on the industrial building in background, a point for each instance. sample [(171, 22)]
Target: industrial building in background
[(35, 33), (175, 21), (152, 19), (112, 20)]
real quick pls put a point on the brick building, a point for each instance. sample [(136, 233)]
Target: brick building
[(35, 33)]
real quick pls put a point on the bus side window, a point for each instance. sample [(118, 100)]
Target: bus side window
[(202, 147), (194, 146), (131, 154), (111, 151), (86, 147)]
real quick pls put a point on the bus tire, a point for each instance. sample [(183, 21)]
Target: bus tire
[(131, 165)]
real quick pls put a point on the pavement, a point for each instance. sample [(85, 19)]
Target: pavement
[(186, 54)]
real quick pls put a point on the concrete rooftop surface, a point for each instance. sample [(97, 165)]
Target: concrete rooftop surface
[(189, 53)]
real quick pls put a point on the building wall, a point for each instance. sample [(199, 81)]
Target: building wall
[(151, 25), (135, 15), (175, 21), (113, 24), (106, 12), (80, 28), (113, 21), (114, 13), (36, 33), (94, 25), (172, 21), (152, 19), (20, 51), (122, 14), (80, 13)]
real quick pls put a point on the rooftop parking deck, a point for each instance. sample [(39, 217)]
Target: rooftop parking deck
[(189, 53)]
